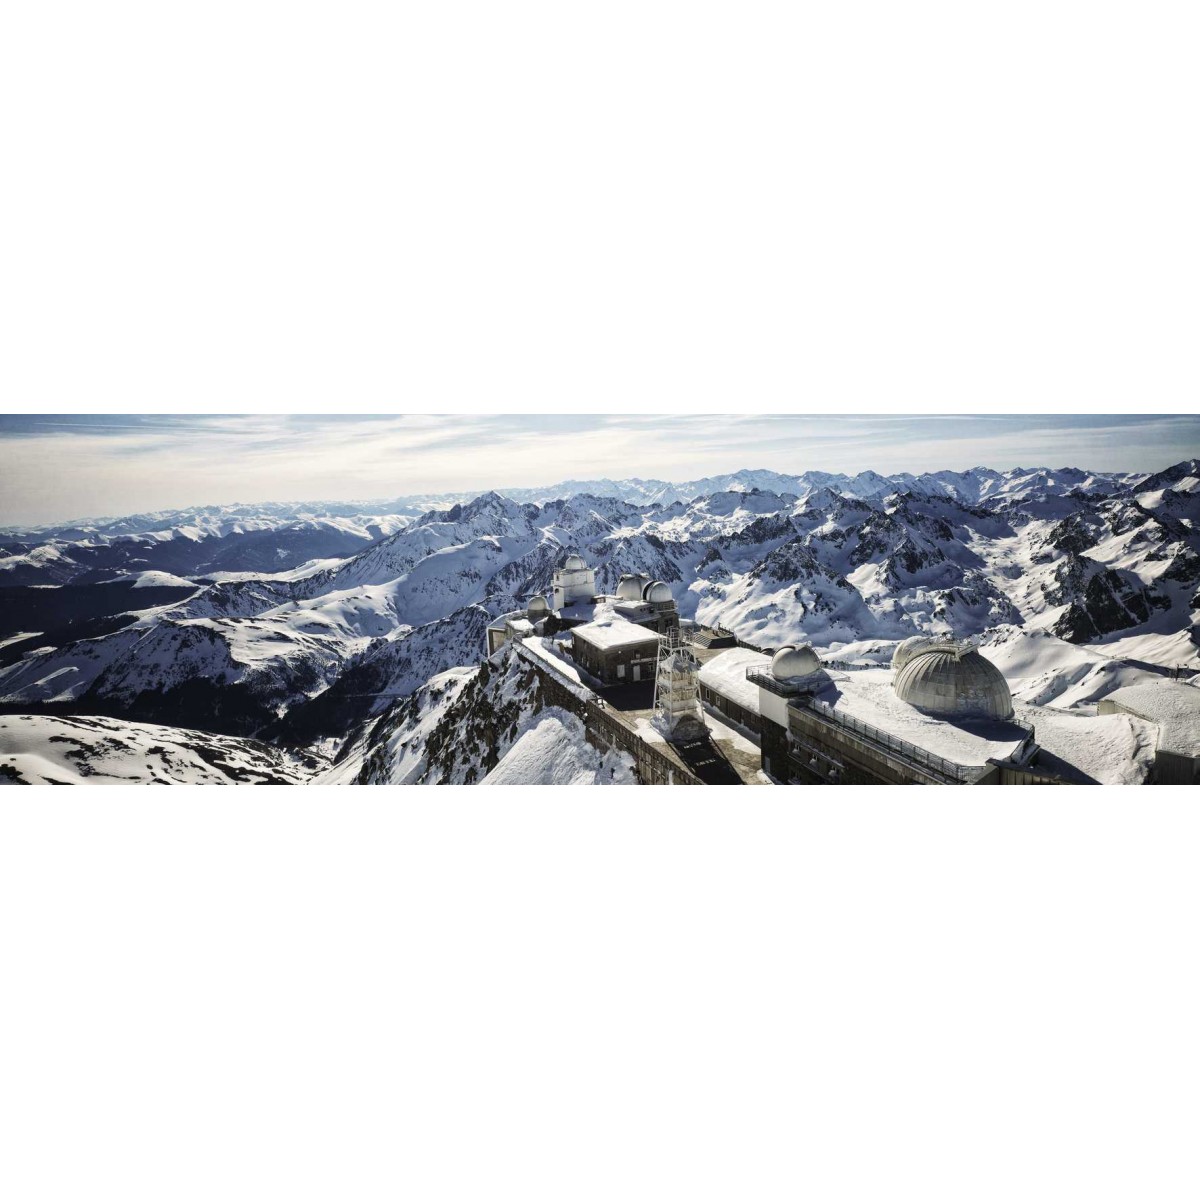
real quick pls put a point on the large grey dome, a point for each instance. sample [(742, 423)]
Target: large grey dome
[(794, 662), (537, 605), (574, 563), (955, 681)]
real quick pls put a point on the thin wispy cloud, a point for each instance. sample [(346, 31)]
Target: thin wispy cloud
[(61, 467)]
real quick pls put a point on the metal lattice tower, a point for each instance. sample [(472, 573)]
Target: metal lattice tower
[(677, 711)]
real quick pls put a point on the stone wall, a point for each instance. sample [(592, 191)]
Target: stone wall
[(605, 727)]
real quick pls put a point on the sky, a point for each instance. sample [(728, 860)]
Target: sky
[(61, 467)]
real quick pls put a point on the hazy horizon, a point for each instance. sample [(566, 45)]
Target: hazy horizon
[(62, 467)]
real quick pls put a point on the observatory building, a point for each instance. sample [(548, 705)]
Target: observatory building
[(615, 650), (573, 581), (944, 716), (950, 679), (942, 713), (641, 606)]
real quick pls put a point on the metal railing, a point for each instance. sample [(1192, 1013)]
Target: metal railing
[(763, 677), (897, 746)]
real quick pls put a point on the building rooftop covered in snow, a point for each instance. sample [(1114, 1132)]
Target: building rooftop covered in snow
[(1174, 708), (950, 721), (726, 686), (575, 602), (615, 650)]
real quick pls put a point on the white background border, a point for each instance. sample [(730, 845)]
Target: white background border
[(462, 207)]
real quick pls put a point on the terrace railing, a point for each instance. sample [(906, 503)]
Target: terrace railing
[(791, 688), (897, 746)]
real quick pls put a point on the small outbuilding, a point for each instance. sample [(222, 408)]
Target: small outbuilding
[(615, 651), (1174, 707)]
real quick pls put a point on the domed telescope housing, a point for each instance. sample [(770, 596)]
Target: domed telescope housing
[(537, 609), (952, 679), (657, 593), (791, 663), (573, 581), (793, 671), (630, 587)]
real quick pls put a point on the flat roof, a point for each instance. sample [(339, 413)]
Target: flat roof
[(1173, 706), (725, 674), (501, 621), (867, 696), (581, 610), (606, 634)]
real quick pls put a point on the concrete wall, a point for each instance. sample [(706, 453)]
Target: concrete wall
[(653, 765), (735, 712), (571, 586), (853, 760), (1168, 767), (1010, 774), (1176, 768), (773, 708)]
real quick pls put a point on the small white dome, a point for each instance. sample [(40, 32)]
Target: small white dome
[(657, 593), (538, 605), (574, 563), (630, 587), (954, 680), (794, 662)]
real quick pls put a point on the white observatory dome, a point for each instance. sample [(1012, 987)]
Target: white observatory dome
[(630, 587), (794, 662), (954, 680), (538, 605), (657, 593), (910, 648), (574, 563)]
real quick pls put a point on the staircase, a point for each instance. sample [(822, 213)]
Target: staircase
[(710, 638)]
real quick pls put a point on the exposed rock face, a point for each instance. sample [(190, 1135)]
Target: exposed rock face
[(385, 671), (456, 729), (1099, 600), (1071, 536)]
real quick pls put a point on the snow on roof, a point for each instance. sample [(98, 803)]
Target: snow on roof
[(1108, 749), (521, 626), (868, 697), (609, 630), (726, 675), (547, 651), (1173, 706), (501, 621)]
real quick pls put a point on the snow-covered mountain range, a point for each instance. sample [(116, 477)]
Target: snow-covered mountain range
[(306, 624)]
